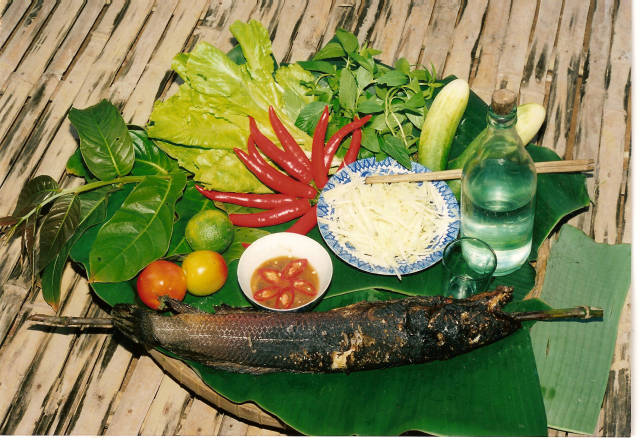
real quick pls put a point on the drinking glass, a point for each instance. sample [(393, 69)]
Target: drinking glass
[(469, 264)]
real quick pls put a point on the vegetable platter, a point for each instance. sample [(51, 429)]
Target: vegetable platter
[(143, 185)]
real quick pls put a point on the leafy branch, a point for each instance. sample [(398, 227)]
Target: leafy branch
[(353, 83)]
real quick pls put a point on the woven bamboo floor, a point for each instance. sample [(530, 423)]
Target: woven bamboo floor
[(572, 56)]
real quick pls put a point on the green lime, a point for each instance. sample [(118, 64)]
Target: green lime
[(209, 230)]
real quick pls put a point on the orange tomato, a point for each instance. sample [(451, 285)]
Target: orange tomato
[(206, 272)]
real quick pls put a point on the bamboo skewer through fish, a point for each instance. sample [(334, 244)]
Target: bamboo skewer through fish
[(556, 166)]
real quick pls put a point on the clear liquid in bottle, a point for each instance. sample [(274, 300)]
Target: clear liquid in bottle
[(498, 189)]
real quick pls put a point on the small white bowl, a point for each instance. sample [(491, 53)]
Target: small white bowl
[(290, 245)]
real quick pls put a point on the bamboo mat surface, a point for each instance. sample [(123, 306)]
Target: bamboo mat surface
[(572, 56)]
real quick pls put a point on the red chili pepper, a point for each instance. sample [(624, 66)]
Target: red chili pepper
[(305, 223), (264, 201), (334, 142), (270, 275), (304, 287), (294, 268), (284, 159), (266, 293), (317, 150), (287, 141), (352, 153), (271, 177), (285, 299), (273, 216)]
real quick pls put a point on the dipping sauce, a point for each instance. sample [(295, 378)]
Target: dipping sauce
[(284, 283)]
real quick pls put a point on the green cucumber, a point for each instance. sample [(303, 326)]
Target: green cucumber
[(441, 123)]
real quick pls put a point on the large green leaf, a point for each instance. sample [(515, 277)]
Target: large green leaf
[(93, 209), (104, 141), (499, 367), (57, 227), (33, 193), (574, 358), (139, 232), (150, 159)]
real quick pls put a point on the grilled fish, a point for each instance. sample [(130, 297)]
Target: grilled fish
[(361, 336)]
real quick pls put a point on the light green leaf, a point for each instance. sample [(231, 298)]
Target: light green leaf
[(219, 169), (138, 233), (574, 358), (105, 144)]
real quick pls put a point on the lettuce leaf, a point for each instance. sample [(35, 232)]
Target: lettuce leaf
[(208, 116)]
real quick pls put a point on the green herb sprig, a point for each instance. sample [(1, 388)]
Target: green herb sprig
[(353, 83)]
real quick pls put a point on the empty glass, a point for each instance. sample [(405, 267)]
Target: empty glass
[(469, 264)]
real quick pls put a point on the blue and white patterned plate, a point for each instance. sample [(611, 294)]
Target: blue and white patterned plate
[(369, 166)]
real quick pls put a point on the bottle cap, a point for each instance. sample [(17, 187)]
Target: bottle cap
[(503, 101)]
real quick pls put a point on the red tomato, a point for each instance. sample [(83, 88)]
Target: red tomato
[(161, 278)]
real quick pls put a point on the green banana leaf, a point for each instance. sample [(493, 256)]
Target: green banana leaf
[(491, 391), (574, 359), (446, 398)]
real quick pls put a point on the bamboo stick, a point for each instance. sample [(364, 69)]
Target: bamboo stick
[(556, 166)]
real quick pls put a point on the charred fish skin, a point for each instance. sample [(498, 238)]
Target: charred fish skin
[(357, 337)]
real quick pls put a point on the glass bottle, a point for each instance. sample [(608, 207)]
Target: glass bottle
[(499, 188)]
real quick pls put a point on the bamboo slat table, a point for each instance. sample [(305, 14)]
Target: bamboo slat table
[(572, 56)]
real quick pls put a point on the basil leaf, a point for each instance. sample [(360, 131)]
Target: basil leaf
[(104, 141), (33, 193), (403, 65), (348, 90), (57, 227), (415, 102), (366, 62), (416, 119), (331, 50), (309, 116), (363, 78), (371, 105), (318, 66), (348, 41), (150, 159), (138, 233), (393, 78), (396, 149), (370, 140)]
